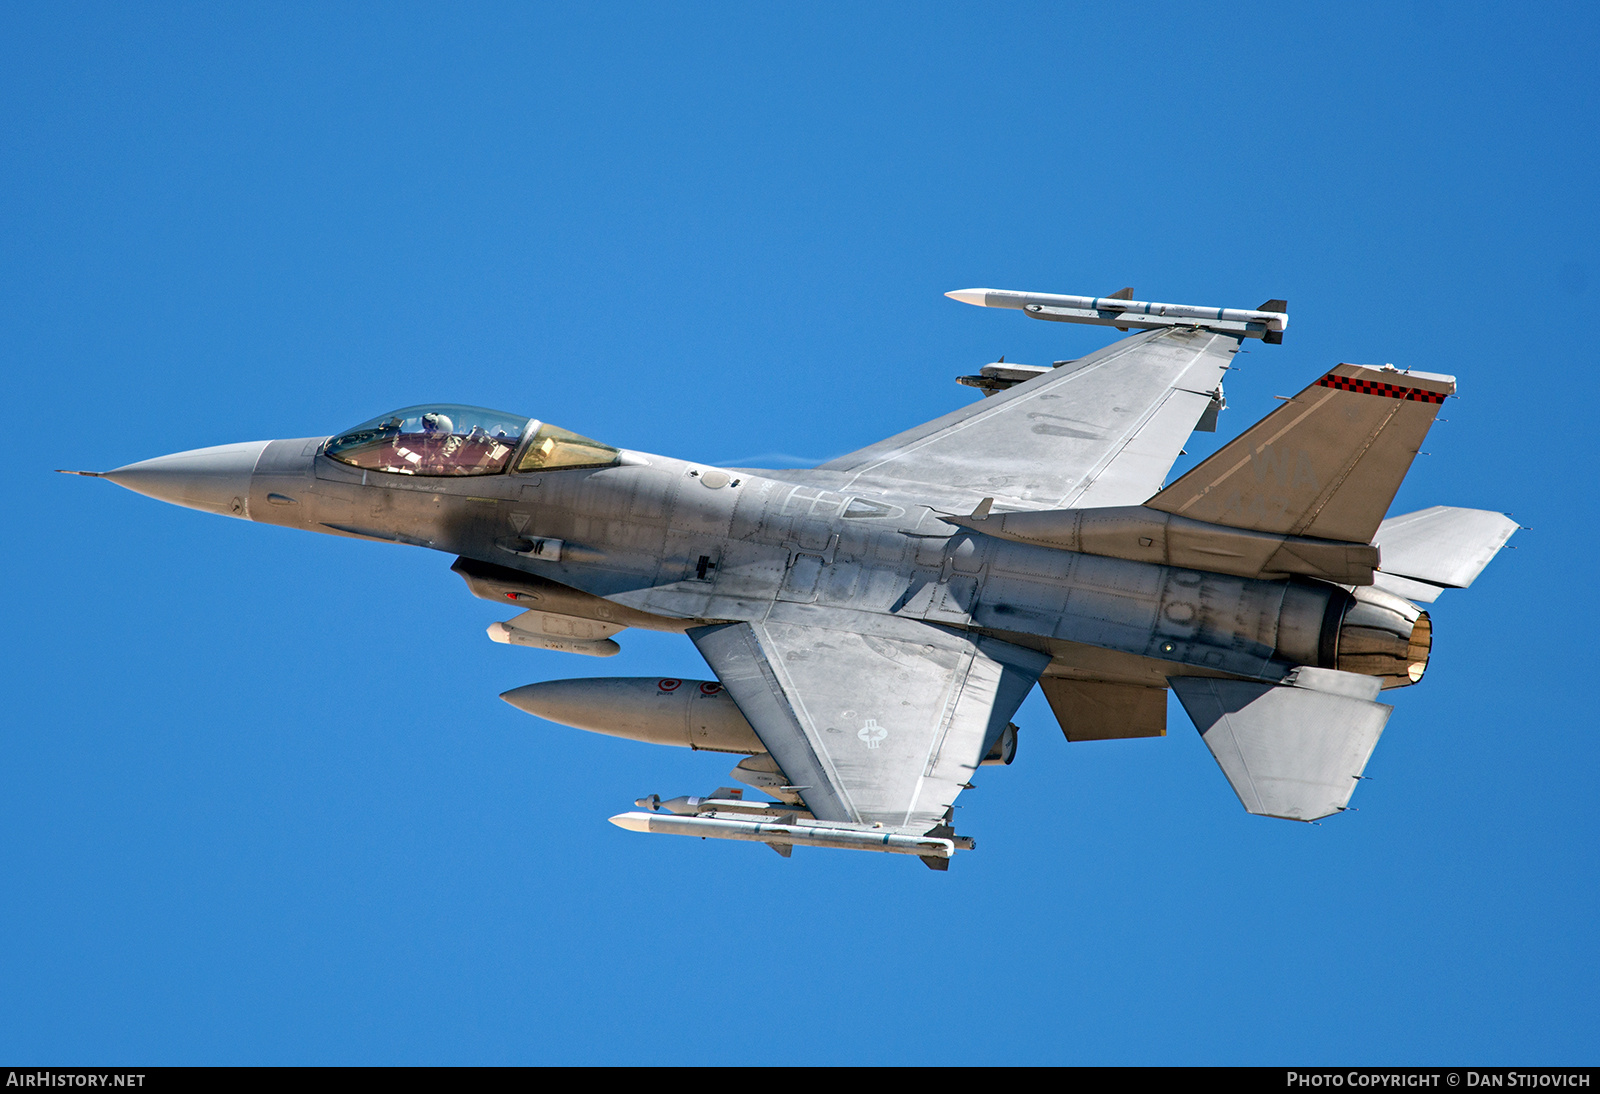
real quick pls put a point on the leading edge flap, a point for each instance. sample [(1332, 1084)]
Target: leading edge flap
[(1288, 751)]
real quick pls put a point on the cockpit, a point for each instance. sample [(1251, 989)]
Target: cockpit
[(447, 439)]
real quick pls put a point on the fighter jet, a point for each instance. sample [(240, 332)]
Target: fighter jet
[(873, 624)]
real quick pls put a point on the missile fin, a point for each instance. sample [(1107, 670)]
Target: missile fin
[(1122, 294)]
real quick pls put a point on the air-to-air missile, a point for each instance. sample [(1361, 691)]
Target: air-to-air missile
[(784, 835), (1267, 322)]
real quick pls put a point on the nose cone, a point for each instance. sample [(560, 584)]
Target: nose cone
[(216, 480), (544, 701)]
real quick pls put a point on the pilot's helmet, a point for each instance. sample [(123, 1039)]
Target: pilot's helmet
[(434, 422)]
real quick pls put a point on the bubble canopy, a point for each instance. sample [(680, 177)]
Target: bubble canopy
[(447, 439)]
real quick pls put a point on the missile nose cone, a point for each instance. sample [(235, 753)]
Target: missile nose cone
[(528, 698), (970, 296), (216, 480)]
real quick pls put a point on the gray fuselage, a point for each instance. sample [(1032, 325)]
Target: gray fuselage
[(686, 544)]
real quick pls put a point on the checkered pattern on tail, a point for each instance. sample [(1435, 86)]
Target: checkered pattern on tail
[(1375, 387)]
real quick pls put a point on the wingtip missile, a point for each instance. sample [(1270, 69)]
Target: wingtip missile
[(1124, 313), (980, 297)]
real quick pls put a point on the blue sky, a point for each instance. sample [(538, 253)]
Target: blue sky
[(261, 802)]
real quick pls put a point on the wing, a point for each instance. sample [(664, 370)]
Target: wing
[(877, 720), (1103, 430)]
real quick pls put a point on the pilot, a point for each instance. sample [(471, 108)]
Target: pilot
[(435, 423), (439, 443)]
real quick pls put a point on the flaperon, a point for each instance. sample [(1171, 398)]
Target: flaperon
[(874, 623)]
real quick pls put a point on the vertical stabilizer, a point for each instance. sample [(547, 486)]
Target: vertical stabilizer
[(1325, 464)]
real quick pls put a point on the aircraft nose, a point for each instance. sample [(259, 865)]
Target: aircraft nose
[(216, 480)]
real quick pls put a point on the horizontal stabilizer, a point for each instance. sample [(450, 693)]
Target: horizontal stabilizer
[(1324, 465), (1426, 552), (1291, 751), (1420, 591)]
